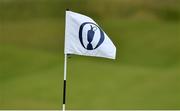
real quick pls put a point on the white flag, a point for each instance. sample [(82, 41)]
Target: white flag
[(83, 36)]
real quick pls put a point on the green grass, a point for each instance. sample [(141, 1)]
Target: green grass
[(29, 78), (34, 81), (144, 76), (122, 87)]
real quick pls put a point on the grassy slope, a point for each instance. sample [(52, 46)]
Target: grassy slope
[(144, 76)]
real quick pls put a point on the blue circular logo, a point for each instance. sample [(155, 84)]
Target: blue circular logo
[(91, 36)]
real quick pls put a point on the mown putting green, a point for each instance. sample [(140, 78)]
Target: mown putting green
[(145, 74)]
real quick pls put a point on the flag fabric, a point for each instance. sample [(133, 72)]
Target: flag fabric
[(83, 36)]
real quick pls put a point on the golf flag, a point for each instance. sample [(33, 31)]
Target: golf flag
[(83, 36)]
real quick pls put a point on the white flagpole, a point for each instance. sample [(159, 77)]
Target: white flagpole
[(64, 87)]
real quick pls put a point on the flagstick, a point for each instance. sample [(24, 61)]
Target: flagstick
[(64, 87), (65, 73)]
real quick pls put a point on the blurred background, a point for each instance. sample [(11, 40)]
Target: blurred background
[(145, 75)]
